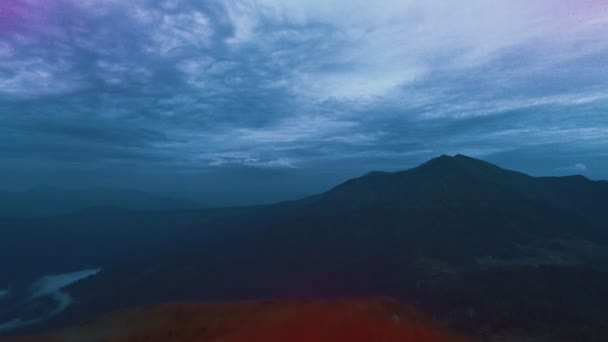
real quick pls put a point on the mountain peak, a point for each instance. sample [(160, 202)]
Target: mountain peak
[(456, 157), (443, 159), (456, 176), (447, 163), (464, 157)]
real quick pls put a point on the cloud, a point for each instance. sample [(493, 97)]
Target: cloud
[(573, 169), (299, 85), (375, 49), (250, 160)]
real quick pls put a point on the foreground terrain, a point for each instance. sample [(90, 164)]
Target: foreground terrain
[(327, 321), (487, 251)]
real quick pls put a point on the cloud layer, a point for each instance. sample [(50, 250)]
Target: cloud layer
[(184, 86)]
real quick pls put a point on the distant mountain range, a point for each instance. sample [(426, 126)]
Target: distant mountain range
[(49, 201), (487, 250)]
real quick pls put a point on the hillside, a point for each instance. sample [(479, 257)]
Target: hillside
[(487, 250), (326, 321)]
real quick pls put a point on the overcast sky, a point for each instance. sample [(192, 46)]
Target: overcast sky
[(239, 101)]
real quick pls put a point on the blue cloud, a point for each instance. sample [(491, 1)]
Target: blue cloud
[(316, 86)]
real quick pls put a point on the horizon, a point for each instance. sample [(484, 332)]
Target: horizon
[(208, 203)]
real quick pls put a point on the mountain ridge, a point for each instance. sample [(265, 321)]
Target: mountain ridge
[(436, 175)]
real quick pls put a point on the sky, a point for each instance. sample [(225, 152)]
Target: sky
[(249, 101)]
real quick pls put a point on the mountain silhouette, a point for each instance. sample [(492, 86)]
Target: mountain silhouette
[(451, 236), (460, 178)]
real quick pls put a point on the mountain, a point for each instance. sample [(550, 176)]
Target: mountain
[(486, 250), (47, 201), (463, 179)]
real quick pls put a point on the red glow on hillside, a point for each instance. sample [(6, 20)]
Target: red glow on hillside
[(352, 321)]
